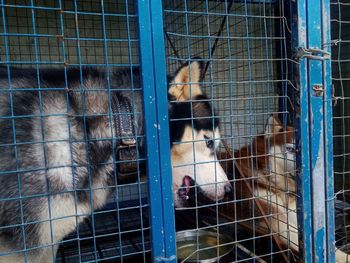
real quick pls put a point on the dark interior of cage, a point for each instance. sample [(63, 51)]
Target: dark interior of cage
[(340, 79), (245, 48)]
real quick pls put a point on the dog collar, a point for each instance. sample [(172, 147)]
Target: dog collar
[(126, 152), (123, 120)]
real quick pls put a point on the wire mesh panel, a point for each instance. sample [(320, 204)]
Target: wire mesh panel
[(340, 19), (71, 138), (241, 108), (77, 136)]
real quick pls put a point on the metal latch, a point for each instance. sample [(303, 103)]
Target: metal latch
[(313, 53), (318, 89)]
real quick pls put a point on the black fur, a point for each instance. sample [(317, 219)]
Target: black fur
[(197, 114), (24, 149)]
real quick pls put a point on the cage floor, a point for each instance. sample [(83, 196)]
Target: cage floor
[(110, 240), (133, 244)]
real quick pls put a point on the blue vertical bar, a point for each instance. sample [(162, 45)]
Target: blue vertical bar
[(152, 56), (328, 141), (150, 122), (304, 210), (163, 128), (316, 122), (315, 129)]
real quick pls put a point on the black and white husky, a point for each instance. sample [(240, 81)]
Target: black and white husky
[(56, 145)]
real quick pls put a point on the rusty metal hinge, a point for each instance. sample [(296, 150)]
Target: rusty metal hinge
[(318, 89), (312, 53)]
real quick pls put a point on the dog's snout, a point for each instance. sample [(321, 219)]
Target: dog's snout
[(228, 188)]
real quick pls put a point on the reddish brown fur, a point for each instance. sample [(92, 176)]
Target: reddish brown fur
[(257, 153), (253, 158)]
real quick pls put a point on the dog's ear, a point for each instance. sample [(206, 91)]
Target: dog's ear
[(273, 125), (185, 85)]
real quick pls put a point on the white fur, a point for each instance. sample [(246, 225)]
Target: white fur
[(284, 220), (59, 150), (193, 158), (285, 223)]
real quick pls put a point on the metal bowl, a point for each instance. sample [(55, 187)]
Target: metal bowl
[(210, 247)]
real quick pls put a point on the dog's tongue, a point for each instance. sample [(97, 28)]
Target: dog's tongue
[(187, 183)]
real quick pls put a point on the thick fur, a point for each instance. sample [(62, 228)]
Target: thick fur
[(270, 162), (56, 149)]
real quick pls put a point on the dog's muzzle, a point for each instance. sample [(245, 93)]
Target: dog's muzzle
[(188, 191)]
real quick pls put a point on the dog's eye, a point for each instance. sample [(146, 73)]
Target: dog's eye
[(209, 142), (289, 148)]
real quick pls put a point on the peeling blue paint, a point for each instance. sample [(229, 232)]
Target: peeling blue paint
[(328, 142), (304, 209), (314, 135), (322, 239), (167, 259)]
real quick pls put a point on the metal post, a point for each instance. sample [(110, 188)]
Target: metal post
[(328, 120), (320, 107), (154, 84), (315, 129), (302, 136)]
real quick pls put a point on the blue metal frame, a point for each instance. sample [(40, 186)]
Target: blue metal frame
[(154, 84), (328, 128), (317, 134), (314, 125), (321, 158), (302, 128)]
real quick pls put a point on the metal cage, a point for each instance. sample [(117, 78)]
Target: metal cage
[(213, 123)]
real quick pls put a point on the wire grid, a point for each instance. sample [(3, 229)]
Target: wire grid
[(70, 34), (244, 48), (340, 20)]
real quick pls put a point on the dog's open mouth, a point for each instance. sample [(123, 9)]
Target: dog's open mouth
[(186, 190), (191, 193)]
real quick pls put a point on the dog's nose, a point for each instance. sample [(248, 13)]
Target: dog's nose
[(228, 188)]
